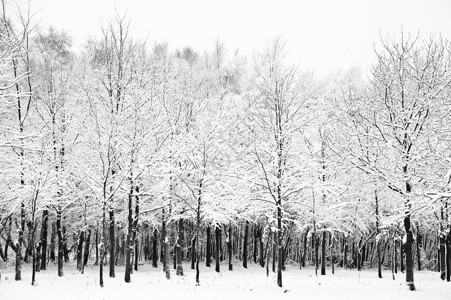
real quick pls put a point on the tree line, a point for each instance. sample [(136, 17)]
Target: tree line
[(128, 152)]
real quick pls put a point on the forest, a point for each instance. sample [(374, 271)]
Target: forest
[(128, 153)]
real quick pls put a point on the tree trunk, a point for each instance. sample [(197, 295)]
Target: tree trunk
[(80, 251), (274, 251), (246, 236), (87, 241), (45, 218), (279, 244), (255, 246), (135, 229), (155, 249), (59, 231), (323, 254), (193, 253), (129, 246), (52, 242), (229, 248), (442, 256), (218, 247), (112, 239), (448, 257), (208, 255), (179, 249), (408, 251), (345, 253), (260, 239), (304, 252)]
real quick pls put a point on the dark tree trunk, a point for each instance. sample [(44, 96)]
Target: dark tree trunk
[(345, 253), (19, 246), (97, 247), (448, 257), (87, 241), (279, 244), (112, 239), (135, 230), (255, 236), (323, 254), (262, 257), (179, 249), (38, 257), (65, 249), (304, 252), (218, 247), (208, 255), (81, 238), (193, 253), (316, 243), (246, 236), (129, 244), (155, 249), (52, 242), (229, 241), (442, 256), (274, 251), (45, 218), (408, 251), (59, 231)]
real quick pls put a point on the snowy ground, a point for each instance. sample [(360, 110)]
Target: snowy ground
[(250, 283)]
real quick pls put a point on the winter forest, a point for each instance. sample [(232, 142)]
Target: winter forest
[(128, 158)]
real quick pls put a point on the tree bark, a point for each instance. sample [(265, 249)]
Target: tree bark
[(246, 234), (112, 243), (59, 231), (129, 246), (229, 241), (179, 249), (208, 255), (45, 218), (323, 254), (87, 241), (218, 247), (81, 238), (155, 249)]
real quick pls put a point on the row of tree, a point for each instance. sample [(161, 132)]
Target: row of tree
[(140, 152)]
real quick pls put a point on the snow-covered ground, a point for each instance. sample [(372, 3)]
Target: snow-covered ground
[(250, 283)]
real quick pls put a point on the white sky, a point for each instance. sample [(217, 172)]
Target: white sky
[(324, 35)]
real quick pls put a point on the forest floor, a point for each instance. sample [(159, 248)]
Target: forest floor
[(251, 283)]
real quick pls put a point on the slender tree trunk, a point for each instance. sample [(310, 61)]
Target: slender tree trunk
[(261, 252), (323, 254), (345, 253), (218, 247), (135, 230), (81, 238), (59, 231), (442, 256), (448, 257), (112, 243), (208, 255), (279, 244), (304, 252), (193, 253), (87, 242), (155, 249), (97, 247), (129, 246), (180, 245), (229, 241), (274, 251), (255, 245), (246, 236), (45, 218)]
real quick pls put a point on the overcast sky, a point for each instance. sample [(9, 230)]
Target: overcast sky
[(324, 35)]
